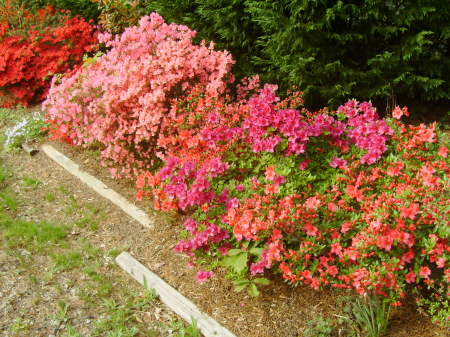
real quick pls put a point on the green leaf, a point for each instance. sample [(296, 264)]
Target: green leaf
[(253, 290), (237, 263), (261, 280), (256, 251)]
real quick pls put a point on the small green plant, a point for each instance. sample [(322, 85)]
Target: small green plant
[(29, 129), (19, 325), (50, 196), (181, 330), (318, 327), (8, 200), (31, 182), (61, 314), (368, 316), (67, 261)]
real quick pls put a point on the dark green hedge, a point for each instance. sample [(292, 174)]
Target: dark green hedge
[(389, 51), (85, 8)]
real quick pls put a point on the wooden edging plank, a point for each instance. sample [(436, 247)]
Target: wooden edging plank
[(98, 186), (172, 298)]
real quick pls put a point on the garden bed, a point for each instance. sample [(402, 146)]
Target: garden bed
[(280, 310)]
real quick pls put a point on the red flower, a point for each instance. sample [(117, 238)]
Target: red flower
[(425, 272), (410, 277), (409, 212)]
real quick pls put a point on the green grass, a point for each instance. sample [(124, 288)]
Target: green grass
[(31, 235), (67, 261), (31, 182)]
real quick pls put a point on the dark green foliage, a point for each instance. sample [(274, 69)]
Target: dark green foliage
[(389, 51), (85, 8)]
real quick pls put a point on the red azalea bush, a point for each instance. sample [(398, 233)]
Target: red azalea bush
[(123, 98), (36, 46), (329, 198)]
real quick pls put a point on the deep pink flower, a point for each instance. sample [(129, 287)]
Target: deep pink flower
[(203, 276), (338, 162)]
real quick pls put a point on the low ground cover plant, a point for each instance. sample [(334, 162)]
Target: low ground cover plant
[(35, 46), (327, 198)]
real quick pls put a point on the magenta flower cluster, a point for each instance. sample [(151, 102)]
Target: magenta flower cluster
[(201, 239)]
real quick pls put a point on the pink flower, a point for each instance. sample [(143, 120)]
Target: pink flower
[(270, 173), (203, 276), (332, 207), (440, 263), (443, 151), (312, 203), (225, 248), (304, 164), (398, 113), (424, 272), (311, 230), (338, 162)]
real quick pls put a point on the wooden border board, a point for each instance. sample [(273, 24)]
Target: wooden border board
[(98, 186), (172, 298)]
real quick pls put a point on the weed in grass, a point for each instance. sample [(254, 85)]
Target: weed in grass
[(178, 329), (63, 190), (73, 206), (67, 261), (50, 196), (61, 314), (71, 332), (9, 116), (117, 321), (113, 253), (31, 182), (32, 235), (19, 325), (8, 200), (89, 250), (3, 176)]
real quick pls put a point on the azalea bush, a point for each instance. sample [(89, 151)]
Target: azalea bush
[(35, 46), (326, 198), (121, 99), (332, 198)]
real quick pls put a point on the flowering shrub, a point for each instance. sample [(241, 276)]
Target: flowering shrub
[(122, 98), (329, 198), (35, 46)]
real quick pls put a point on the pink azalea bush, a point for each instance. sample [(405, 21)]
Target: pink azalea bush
[(121, 98)]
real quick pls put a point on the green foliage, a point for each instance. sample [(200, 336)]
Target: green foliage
[(29, 129), (31, 235), (116, 15), (85, 8), (368, 316), (318, 327), (392, 52)]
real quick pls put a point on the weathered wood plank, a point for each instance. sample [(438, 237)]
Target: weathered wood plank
[(172, 298), (98, 186)]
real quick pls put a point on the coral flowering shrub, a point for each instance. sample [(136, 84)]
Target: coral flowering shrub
[(342, 199), (35, 48), (122, 98)]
